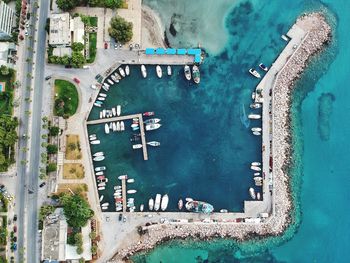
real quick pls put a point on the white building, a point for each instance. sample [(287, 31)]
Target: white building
[(7, 20), (8, 54)]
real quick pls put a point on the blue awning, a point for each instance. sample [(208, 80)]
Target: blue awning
[(149, 51), (197, 59), (181, 51), (160, 51), (171, 51)]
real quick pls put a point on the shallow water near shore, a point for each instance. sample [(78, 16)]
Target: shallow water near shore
[(320, 181)]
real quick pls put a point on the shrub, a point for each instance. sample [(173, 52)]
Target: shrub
[(120, 30), (52, 149), (52, 167), (54, 131)]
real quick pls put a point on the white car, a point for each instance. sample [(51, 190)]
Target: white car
[(26, 32)]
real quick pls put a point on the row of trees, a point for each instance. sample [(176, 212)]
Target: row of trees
[(8, 138), (77, 60), (67, 5)]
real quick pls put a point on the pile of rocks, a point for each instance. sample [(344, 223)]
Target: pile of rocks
[(319, 34)]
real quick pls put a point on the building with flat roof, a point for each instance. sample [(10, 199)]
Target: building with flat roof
[(60, 33), (8, 54), (65, 30), (7, 20), (54, 240)]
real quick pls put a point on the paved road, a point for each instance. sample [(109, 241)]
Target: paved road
[(27, 208)]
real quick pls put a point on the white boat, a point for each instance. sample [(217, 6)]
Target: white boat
[(253, 95), (143, 71), (101, 198), (111, 125), (187, 72), (196, 74), (121, 71), (101, 115), (100, 168), (114, 126), (256, 133), (106, 85), (180, 204), (93, 86), (118, 208), (263, 67), (97, 105), (254, 116), (101, 188), (117, 76), (110, 81), (134, 125), (118, 126), (101, 184), (122, 177), (93, 138), (99, 173), (137, 146), (223, 211), (131, 191), (256, 174), (256, 163), (154, 143), (127, 70), (104, 112), (150, 127), (122, 126), (252, 193), (164, 203), (169, 70), (98, 154), (255, 168), (106, 128), (150, 204), (101, 98), (99, 158), (92, 135), (104, 207), (117, 187), (105, 204), (159, 71), (153, 120), (95, 142), (254, 73), (255, 105), (131, 180), (157, 202), (256, 129), (119, 110), (114, 112), (114, 78), (102, 94), (188, 199), (105, 88), (142, 207), (258, 196)]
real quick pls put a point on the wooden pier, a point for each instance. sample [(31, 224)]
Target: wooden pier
[(124, 194), (127, 117)]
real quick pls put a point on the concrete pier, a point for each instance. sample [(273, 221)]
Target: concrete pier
[(127, 117), (124, 194)]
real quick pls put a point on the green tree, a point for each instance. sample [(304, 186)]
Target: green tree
[(113, 3), (72, 146), (4, 70), (52, 149), (77, 46), (77, 60), (67, 5), (51, 167), (46, 210), (120, 30), (94, 249), (54, 131), (76, 209)]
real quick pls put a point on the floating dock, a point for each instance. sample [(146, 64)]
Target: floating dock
[(124, 194), (127, 117)]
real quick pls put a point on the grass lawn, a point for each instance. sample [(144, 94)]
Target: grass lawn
[(66, 98), (93, 20), (6, 98), (66, 188), (73, 147), (92, 47), (73, 171)]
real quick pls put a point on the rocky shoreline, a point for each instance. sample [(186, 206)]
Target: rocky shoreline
[(319, 35)]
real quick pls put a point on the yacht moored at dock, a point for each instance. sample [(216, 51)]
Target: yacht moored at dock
[(254, 73), (199, 207), (106, 128), (122, 72), (154, 120), (127, 70), (154, 143), (143, 71), (254, 116), (187, 72), (159, 71), (157, 202), (252, 193), (196, 74), (169, 70), (150, 127), (164, 203), (263, 67), (180, 204), (150, 204)]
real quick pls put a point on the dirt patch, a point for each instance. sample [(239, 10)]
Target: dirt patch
[(73, 171), (73, 150), (75, 188)]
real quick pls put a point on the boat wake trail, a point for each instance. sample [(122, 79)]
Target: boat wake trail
[(244, 119)]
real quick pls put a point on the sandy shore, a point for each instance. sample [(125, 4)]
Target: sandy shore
[(319, 34), (152, 28)]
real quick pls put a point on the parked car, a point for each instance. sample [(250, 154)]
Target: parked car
[(42, 184), (47, 77), (68, 66), (14, 247), (15, 218), (120, 217), (86, 67), (106, 45), (124, 219), (76, 80), (15, 229)]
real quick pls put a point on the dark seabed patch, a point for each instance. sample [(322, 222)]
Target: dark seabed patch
[(325, 109)]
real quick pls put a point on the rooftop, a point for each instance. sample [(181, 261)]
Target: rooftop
[(60, 33)]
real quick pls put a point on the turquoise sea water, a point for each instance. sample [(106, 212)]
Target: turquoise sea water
[(321, 231)]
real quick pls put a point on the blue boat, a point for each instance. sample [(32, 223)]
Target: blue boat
[(199, 207)]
